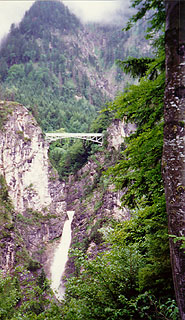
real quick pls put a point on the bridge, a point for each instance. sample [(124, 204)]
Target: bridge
[(94, 137)]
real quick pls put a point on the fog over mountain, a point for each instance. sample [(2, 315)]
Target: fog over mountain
[(11, 12), (87, 10), (104, 11)]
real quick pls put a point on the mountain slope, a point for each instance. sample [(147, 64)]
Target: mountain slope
[(61, 70)]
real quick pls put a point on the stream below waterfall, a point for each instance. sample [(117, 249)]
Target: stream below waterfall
[(60, 258)]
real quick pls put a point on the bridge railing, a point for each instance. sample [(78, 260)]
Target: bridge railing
[(94, 137)]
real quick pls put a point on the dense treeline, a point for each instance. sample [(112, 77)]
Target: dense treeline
[(45, 65), (36, 69), (21, 45), (53, 107), (37, 76)]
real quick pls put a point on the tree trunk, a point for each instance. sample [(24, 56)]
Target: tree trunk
[(174, 141)]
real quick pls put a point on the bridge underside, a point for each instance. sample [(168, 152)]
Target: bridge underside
[(94, 137)]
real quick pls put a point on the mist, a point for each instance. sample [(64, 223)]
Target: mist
[(12, 12), (102, 11)]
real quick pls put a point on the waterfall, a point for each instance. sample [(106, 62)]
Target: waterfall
[(61, 257)]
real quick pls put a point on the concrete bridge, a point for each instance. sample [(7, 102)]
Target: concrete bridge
[(94, 137)]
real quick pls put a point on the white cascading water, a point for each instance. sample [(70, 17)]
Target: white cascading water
[(61, 257)]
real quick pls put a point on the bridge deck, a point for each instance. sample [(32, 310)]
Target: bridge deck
[(94, 137)]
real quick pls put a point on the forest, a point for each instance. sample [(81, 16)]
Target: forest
[(134, 279), (56, 68)]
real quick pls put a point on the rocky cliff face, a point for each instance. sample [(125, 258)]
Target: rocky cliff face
[(38, 201), (117, 132), (37, 196), (93, 197)]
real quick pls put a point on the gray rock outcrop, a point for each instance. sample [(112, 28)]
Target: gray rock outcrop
[(33, 187)]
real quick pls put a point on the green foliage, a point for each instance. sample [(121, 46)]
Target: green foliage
[(22, 297), (139, 169), (102, 122), (98, 292), (43, 79), (40, 18), (138, 174), (9, 296), (51, 105), (5, 111), (178, 239), (135, 67), (21, 45), (33, 265), (108, 287), (152, 8), (148, 229), (69, 157), (6, 207)]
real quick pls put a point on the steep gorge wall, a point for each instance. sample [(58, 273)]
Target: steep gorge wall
[(92, 196), (40, 200), (39, 209)]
